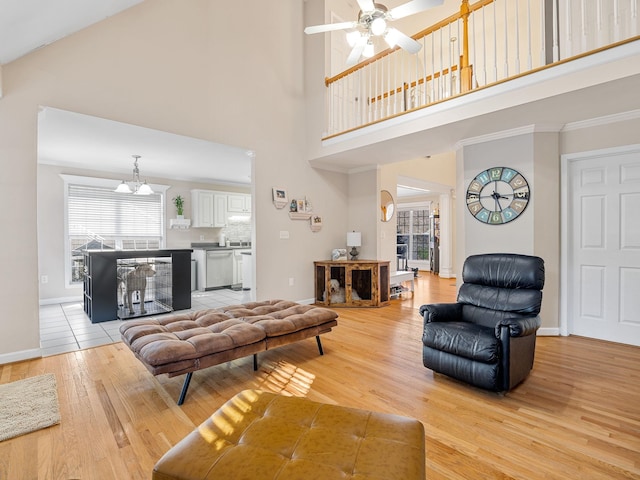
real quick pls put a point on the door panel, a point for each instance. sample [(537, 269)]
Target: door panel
[(604, 247)]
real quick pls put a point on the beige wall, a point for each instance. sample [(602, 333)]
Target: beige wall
[(363, 215), (617, 132), (537, 230), (170, 66)]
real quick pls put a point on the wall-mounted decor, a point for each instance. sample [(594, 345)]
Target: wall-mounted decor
[(387, 206), (498, 195), (300, 209), (316, 223), (279, 197)]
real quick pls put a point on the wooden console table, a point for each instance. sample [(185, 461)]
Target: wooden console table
[(361, 283)]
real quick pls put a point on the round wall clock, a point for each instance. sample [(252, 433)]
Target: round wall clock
[(498, 195)]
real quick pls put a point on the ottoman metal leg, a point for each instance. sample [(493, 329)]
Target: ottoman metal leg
[(185, 386)]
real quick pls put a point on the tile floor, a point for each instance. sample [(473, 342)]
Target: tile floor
[(64, 327)]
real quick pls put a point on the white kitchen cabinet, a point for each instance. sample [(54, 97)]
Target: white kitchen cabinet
[(238, 203), (209, 208), (239, 256)]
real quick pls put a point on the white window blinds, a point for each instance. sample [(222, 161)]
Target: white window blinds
[(101, 211)]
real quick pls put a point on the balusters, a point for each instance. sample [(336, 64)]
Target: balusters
[(486, 42)]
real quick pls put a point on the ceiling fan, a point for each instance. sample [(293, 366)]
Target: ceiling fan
[(373, 20)]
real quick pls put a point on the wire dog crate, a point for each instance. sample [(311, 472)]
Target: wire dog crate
[(144, 286)]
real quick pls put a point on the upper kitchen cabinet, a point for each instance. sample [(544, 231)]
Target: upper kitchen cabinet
[(209, 208), (238, 203)]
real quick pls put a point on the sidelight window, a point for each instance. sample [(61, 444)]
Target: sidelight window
[(413, 236)]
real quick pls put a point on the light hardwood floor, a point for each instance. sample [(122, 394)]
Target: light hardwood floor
[(577, 416)]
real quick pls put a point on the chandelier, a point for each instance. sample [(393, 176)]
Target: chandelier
[(137, 187)]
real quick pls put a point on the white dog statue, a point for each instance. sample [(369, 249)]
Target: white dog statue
[(337, 293), (132, 281)]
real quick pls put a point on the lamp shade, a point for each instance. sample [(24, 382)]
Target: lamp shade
[(144, 189), (354, 239), (123, 188)]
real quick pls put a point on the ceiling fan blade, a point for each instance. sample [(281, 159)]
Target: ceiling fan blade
[(395, 37), (412, 7), (366, 5), (330, 27), (355, 54)]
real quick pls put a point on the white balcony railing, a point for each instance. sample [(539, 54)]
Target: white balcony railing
[(484, 43)]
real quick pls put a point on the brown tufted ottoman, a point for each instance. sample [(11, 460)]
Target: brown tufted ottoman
[(186, 342), (262, 436)]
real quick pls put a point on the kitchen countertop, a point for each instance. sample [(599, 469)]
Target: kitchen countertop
[(215, 246)]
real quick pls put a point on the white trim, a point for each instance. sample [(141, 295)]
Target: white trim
[(423, 205), (433, 187), (565, 196), (549, 332), (599, 121), (514, 132), (308, 301), (105, 182), (55, 301), (20, 356)]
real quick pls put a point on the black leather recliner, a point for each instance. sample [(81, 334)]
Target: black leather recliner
[(488, 337)]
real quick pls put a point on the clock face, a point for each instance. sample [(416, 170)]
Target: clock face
[(497, 195)]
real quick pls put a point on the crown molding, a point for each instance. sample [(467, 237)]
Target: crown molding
[(514, 132), (599, 121)]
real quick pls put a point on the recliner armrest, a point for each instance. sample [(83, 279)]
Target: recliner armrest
[(441, 312), (519, 327)]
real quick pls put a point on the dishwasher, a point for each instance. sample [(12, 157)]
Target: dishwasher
[(219, 268)]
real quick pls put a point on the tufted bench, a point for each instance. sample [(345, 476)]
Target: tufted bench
[(187, 342), (260, 435)]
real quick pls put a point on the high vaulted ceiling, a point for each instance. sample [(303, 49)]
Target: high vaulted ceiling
[(26, 25), (80, 141)]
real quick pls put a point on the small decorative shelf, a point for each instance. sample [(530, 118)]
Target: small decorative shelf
[(181, 223), (299, 215)]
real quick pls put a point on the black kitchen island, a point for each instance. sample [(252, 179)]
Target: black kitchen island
[(135, 283)]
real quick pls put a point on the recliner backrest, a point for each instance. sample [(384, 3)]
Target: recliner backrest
[(501, 285)]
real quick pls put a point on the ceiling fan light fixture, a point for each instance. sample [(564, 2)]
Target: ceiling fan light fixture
[(353, 37), (373, 21), (391, 37), (368, 50), (378, 26)]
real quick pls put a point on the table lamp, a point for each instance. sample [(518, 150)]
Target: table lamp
[(354, 240)]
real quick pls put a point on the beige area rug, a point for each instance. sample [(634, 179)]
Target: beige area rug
[(28, 405)]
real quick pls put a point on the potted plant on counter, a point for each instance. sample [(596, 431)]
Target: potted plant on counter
[(179, 203)]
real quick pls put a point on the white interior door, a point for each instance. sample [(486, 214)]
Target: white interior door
[(604, 245)]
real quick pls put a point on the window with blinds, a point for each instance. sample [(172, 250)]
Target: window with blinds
[(98, 217)]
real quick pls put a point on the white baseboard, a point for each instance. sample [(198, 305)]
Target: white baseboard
[(447, 275), (548, 332), (308, 301), (20, 356), (53, 301)]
